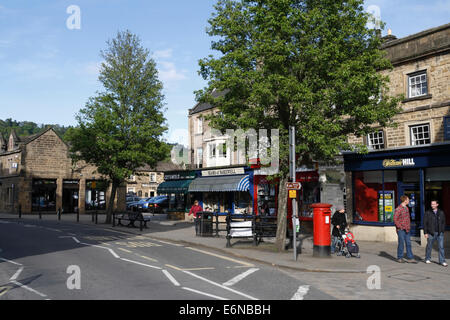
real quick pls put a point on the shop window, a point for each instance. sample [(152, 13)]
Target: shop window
[(420, 134), (242, 203), (437, 187), (43, 195), (368, 195), (418, 84)]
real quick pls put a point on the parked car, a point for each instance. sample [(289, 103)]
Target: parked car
[(132, 202), (160, 205)]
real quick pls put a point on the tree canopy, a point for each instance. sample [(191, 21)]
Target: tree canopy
[(312, 64), (121, 128)]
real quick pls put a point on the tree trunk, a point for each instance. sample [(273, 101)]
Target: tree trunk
[(110, 207), (282, 215)]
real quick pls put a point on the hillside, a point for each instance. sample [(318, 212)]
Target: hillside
[(27, 128)]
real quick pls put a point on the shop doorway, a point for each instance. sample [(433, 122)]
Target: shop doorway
[(413, 192), (70, 196)]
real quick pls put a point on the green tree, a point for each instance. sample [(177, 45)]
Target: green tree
[(312, 64), (121, 129)]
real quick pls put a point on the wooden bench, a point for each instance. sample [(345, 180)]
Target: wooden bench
[(131, 217)]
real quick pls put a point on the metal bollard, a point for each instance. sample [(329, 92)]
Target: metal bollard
[(59, 214), (40, 213), (78, 215), (20, 211), (96, 217)]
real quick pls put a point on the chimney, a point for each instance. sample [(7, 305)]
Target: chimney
[(390, 37)]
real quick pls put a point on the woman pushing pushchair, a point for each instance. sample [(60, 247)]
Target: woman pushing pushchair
[(339, 222)]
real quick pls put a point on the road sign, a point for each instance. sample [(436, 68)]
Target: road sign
[(292, 194), (293, 185)]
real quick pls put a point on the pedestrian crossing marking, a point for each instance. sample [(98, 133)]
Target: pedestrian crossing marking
[(138, 244)]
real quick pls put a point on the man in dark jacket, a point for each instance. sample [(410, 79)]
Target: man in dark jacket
[(433, 229), (339, 221)]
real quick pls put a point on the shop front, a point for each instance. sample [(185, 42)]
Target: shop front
[(379, 179), (176, 186), (223, 191)]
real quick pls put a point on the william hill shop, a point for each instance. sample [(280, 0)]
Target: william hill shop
[(377, 180)]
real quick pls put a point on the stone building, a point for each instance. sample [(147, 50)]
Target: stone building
[(412, 158), (37, 174), (145, 182)]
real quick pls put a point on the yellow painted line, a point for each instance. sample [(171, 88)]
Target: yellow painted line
[(222, 257), (125, 250), (173, 267), (198, 269), (148, 258), (4, 290)]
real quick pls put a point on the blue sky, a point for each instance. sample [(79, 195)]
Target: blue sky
[(48, 71)]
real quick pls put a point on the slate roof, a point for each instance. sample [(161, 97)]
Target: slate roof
[(206, 106)]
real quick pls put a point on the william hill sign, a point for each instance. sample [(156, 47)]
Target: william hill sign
[(391, 163)]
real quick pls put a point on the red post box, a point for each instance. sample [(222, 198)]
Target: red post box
[(322, 229)]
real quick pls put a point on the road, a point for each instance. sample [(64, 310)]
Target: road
[(45, 260)]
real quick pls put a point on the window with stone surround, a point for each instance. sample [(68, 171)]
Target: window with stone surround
[(417, 84), (420, 134), (375, 140)]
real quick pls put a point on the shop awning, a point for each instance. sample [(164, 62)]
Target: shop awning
[(221, 184), (174, 186)]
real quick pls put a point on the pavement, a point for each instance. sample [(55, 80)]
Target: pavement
[(373, 254)]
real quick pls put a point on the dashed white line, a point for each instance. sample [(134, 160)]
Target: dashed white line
[(301, 293), (171, 278), (240, 277)]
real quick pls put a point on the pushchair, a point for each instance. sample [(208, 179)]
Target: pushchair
[(347, 246)]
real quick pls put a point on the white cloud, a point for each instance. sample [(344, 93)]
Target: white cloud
[(168, 72), (163, 54)]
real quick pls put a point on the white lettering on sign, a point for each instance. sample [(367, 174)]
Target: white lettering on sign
[(223, 172)]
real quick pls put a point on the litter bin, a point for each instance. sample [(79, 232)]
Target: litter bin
[(322, 227), (204, 224)]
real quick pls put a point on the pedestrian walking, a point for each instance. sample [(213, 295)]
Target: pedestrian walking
[(402, 220), (433, 229), (339, 222)]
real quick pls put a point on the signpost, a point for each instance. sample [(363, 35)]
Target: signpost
[(293, 186)]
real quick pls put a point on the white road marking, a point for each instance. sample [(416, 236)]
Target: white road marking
[(166, 242), (239, 277), (171, 278), (222, 257), (16, 263), (115, 255), (301, 293), (16, 275), (219, 285), (140, 263), (29, 289), (205, 294)]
